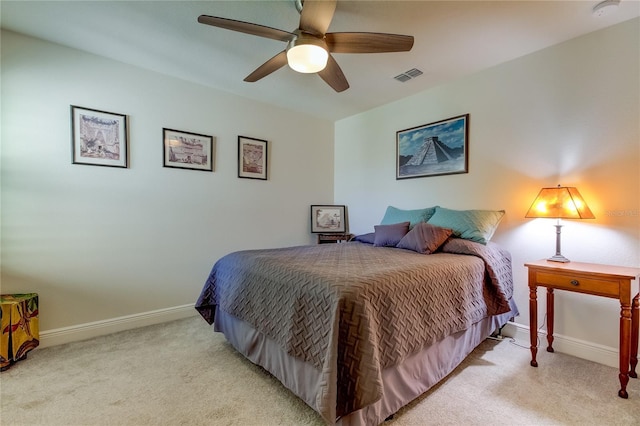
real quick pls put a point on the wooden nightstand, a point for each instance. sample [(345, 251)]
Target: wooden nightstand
[(599, 280), (333, 238)]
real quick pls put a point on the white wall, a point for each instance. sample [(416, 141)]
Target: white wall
[(565, 115), (99, 243)]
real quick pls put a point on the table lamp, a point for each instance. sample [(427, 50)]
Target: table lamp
[(562, 202)]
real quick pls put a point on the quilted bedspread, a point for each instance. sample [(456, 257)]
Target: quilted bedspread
[(352, 309)]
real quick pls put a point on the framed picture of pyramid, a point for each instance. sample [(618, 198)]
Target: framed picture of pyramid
[(434, 149), (328, 219)]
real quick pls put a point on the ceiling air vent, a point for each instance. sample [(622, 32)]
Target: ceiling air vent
[(408, 75)]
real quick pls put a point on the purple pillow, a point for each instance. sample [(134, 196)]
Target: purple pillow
[(425, 238), (366, 238), (390, 235)]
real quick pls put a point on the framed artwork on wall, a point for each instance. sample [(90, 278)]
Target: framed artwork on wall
[(98, 138), (184, 150), (252, 158), (434, 149), (327, 219)]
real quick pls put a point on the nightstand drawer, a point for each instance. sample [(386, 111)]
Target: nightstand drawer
[(603, 287)]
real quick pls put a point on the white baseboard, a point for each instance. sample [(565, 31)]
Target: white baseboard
[(59, 336), (567, 345), (579, 348)]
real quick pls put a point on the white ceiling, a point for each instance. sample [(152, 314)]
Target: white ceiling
[(452, 39)]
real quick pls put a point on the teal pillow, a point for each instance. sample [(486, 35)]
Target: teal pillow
[(395, 215), (474, 225)]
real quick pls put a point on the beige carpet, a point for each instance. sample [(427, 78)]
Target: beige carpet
[(182, 373)]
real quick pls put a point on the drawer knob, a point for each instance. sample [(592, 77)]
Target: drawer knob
[(575, 282)]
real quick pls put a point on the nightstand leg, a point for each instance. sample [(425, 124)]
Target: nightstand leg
[(625, 348), (550, 319), (635, 325), (533, 322)]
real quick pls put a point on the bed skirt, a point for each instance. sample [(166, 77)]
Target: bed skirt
[(401, 383)]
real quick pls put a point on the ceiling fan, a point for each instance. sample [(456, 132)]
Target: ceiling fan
[(310, 46)]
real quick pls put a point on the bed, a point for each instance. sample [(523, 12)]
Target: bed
[(357, 330)]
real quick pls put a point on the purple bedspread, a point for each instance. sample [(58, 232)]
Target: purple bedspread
[(352, 309)]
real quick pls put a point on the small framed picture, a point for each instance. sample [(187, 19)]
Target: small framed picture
[(252, 158), (434, 149), (183, 150), (98, 138), (327, 219)]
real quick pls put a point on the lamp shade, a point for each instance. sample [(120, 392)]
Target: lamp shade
[(307, 54), (561, 202)]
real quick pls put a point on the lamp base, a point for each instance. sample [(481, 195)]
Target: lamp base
[(558, 258)]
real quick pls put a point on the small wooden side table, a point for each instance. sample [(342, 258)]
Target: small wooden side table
[(616, 282), (334, 238)]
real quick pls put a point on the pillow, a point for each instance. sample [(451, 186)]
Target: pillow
[(474, 225), (425, 238), (365, 238), (394, 215), (390, 235)]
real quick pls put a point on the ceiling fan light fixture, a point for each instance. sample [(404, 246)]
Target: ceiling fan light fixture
[(307, 54), (310, 47)]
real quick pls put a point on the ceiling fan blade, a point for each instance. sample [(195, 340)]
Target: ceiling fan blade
[(273, 64), (368, 42), (316, 15), (333, 76), (246, 27)]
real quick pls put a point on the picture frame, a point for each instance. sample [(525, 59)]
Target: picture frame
[(327, 219), (434, 149), (98, 138), (252, 158), (186, 150)]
